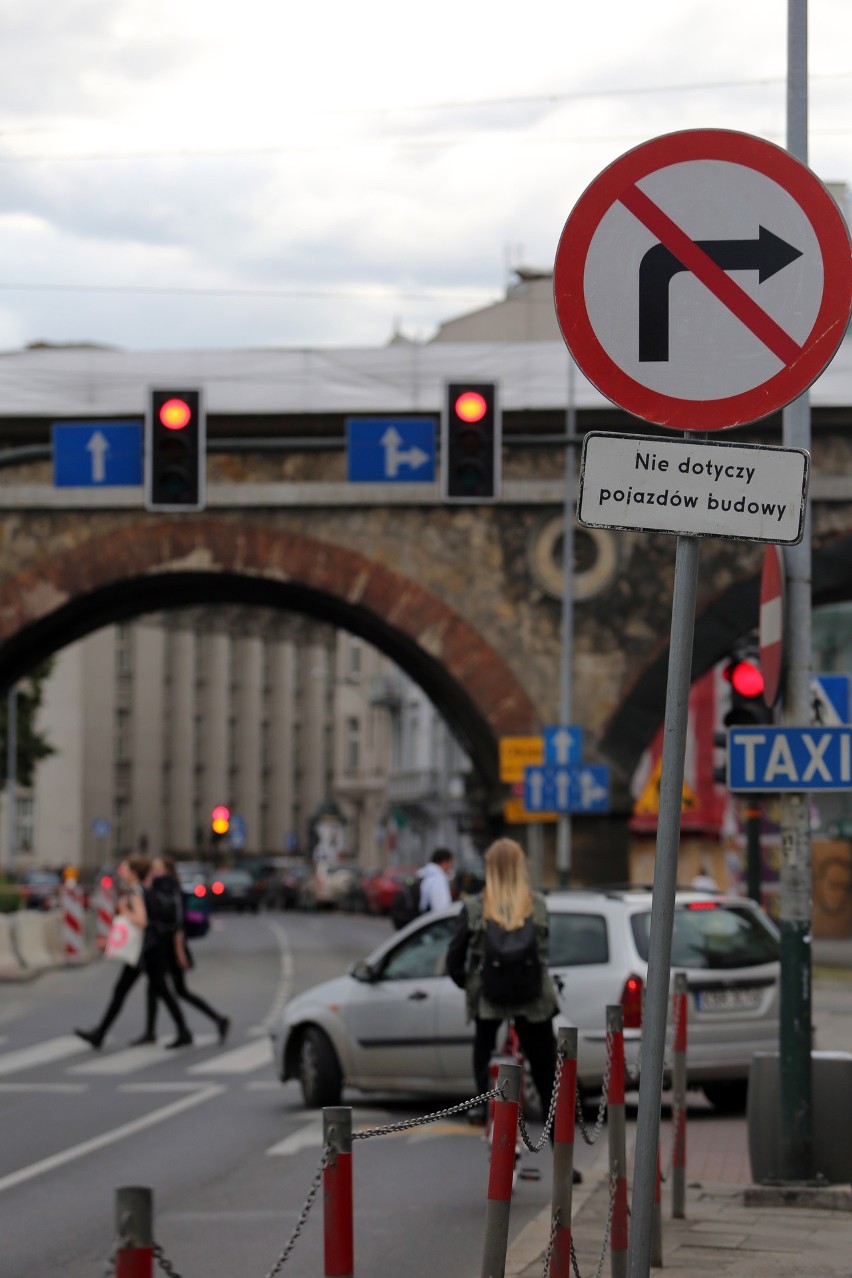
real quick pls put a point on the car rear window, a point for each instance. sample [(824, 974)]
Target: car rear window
[(577, 940), (713, 936)]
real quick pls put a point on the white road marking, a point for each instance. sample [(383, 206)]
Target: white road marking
[(285, 981), (46, 1053), (135, 1058), (308, 1137), (43, 1087), (240, 1060), (108, 1138)]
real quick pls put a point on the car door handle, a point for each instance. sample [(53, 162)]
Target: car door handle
[(418, 996)]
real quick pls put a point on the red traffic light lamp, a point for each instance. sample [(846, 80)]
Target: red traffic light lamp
[(174, 414), (470, 442), (745, 678), (220, 819)]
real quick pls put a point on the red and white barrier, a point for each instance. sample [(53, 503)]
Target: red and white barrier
[(617, 1139), (502, 1171), (563, 1153), (71, 904), (338, 1221), (104, 911)]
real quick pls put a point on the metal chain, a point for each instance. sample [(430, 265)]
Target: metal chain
[(327, 1154), (607, 1228), (496, 1093), (554, 1225), (551, 1113), (601, 1114), (164, 1262)]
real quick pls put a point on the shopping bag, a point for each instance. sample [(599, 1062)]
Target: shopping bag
[(124, 943)]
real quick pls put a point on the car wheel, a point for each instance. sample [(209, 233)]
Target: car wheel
[(319, 1071), (728, 1095)]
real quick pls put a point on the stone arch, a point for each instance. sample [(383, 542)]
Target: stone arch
[(71, 591), (718, 627)]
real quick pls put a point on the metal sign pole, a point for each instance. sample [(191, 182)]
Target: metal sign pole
[(662, 909), (795, 868), (563, 833)]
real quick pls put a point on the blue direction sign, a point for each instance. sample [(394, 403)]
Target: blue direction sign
[(97, 454), (396, 450), (563, 744), (568, 789), (789, 759)]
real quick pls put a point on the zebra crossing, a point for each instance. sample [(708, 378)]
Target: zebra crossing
[(78, 1061)]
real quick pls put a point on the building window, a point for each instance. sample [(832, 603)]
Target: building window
[(354, 668), (352, 747), (24, 823), (121, 826), (124, 649), (122, 735)]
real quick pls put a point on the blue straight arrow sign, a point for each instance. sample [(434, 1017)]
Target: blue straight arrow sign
[(563, 744), (567, 789), (97, 454)]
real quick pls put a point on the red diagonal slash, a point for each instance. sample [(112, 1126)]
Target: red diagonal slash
[(711, 276)]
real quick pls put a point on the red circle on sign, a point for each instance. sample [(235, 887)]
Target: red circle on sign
[(802, 362), (771, 629)]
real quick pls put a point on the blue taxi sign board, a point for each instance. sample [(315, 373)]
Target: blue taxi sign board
[(788, 758), (395, 450), (567, 789), (97, 454)]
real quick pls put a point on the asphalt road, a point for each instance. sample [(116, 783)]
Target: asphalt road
[(229, 1152)]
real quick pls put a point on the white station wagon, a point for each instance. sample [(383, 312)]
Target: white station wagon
[(396, 1022)]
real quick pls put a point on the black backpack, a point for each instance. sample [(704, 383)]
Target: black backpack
[(405, 906), (511, 968)]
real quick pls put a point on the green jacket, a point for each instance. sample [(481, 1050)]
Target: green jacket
[(465, 957)]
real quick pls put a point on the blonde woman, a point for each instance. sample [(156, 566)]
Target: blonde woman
[(498, 955)]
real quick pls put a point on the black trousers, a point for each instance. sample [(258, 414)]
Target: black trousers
[(537, 1043), (153, 964), (178, 978)]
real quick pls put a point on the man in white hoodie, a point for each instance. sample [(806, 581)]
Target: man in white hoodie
[(434, 879)]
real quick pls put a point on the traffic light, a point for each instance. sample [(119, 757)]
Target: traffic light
[(220, 821), (175, 451), (470, 443), (744, 675)]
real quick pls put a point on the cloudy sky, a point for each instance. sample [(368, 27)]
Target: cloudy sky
[(190, 174)]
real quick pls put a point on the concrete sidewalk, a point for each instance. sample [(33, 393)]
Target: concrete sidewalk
[(733, 1228)]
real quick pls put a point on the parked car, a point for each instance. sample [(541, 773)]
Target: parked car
[(39, 889), (234, 890), (396, 1022), (380, 888), (329, 887), (283, 884)]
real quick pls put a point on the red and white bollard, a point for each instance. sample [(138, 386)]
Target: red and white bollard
[(338, 1222), (617, 1139), (104, 911), (562, 1198), (134, 1222), (71, 904), (502, 1171), (679, 1017)]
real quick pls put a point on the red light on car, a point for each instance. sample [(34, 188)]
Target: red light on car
[(702, 905), (217, 888), (175, 414), (631, 1002), (471, 406), (199, 890)]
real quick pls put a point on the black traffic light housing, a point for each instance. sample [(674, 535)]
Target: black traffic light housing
[(175, 451), (470, 443)]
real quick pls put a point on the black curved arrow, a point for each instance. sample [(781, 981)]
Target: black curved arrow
[(767, 255)]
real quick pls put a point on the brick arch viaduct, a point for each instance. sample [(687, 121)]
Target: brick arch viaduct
[(451, 595)]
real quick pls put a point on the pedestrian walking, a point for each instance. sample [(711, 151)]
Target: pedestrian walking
[(434, 879), (498, 955), (141, 907), (177, 956)]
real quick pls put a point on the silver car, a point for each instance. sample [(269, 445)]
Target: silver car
[(396, 1022)]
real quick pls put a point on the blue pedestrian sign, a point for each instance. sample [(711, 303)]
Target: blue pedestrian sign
[(767, 759), (569, 789), (97, 454), (396, 450), (563, 744), (830, 700)]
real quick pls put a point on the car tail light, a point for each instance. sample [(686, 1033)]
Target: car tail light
[(702, 905), (217, 888), (632, 997), (199, 890)]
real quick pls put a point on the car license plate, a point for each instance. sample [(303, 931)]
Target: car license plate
[(733, 1000)]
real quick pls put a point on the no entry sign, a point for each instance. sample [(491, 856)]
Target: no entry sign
[(704, 279)]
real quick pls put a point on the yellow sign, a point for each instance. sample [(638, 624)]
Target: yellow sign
[(517, 753), (648, 803), (514, 813)]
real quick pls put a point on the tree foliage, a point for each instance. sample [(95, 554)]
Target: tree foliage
[(33, 745)]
